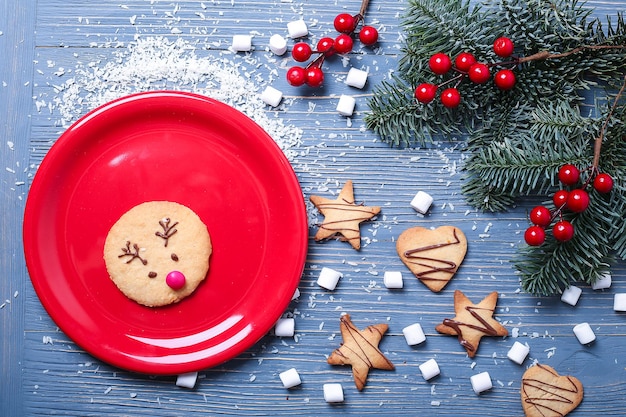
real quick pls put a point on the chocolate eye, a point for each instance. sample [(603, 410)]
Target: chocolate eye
[(152, 274), (174, 257)]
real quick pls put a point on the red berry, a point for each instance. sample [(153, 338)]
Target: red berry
[(464, 61), (344, 23), (296, 76), (503, 47), (368, 35), (563, 231), (425, 93), (343, 44), (479, 73), (560, 198), (535, 235), (569, 174), (314, 77), (540, 216), (505, 79), (325, 46), (440, 63), (450, 97), (577, 200), (603, 183), (301, 52)]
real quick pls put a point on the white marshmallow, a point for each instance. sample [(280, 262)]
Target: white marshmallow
[(187, 380), (328, 278), (518, 352), (429, 369), (571, 295), (356, 78), (481, 382), (619, 302), (414, 334), (297, 29), (333, 393), (242, 43), (285, 327), (290, 378), (584, 334), (393, 279), (346, 104), (278, 44), (422, 202), (271, 96), (603, 282), (296, 294)]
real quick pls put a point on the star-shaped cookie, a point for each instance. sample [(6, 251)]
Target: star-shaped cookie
[(342, 216), (360, 349), (472, 321)]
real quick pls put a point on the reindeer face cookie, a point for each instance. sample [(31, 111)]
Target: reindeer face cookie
[(158, 253)]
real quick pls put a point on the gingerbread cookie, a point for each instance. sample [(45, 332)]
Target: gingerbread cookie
[(342, 216), (546, 393), (472, 321), (360, 349), (158, 253), (433, 256)]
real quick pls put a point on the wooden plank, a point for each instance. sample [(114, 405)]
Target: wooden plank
[(75, 39), (17, 21)]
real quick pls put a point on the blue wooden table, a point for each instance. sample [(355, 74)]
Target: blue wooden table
[(62, 58)]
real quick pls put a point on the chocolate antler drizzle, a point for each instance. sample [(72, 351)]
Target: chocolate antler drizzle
[(127, 251), (167, 229)]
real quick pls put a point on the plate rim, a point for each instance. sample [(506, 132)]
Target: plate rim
[(32, 207)]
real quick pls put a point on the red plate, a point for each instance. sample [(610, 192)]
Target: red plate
[(166, 146)]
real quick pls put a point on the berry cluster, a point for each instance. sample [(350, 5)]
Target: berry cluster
[(466, 66), (312, 74), (575, 200)]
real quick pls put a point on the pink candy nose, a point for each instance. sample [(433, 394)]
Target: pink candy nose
[(175, 280)]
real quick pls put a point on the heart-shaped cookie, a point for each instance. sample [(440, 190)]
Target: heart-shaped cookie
[(433, 256), (546, 393)]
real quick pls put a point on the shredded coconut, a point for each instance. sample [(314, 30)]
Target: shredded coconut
[(157, 63), (154, 63)]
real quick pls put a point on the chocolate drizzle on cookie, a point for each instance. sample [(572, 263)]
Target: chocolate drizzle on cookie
[(445, 265), (548, 396), (342, 216), (360, 342), (360, 349), (346, 206), (168, 231), (486, 328), (472, 321), (132, 253)]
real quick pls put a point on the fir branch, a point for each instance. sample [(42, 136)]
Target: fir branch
[(550, 268), (517, 139), (484, 195), (397, 117), (454, 26), (523, 157), (600, 230)]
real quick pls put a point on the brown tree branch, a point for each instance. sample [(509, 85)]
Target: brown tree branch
[(544, 55), (597, 146)]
